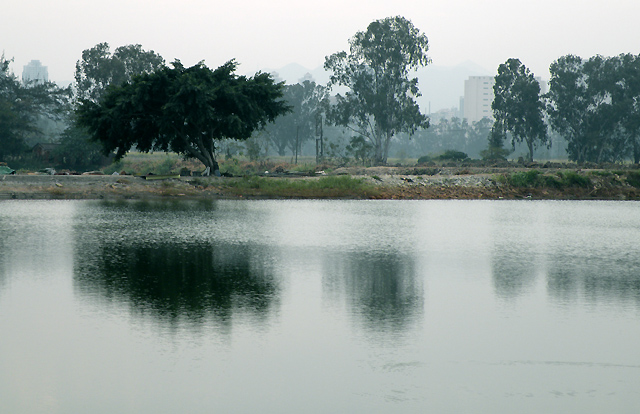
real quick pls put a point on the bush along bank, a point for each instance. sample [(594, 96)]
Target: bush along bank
[(573, 184)]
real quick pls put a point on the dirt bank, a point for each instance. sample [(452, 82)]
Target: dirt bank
[(389, 183)]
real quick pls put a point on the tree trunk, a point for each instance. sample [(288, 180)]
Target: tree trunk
[(380, 146), (387, 143)]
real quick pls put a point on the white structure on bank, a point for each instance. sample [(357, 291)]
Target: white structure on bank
[(34, 71), (478, 96)]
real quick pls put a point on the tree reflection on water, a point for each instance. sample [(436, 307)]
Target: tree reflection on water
[(573, 272), (155, 272), (596, 279), (380, 289)]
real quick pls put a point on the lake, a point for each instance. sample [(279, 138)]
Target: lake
[(319, 307)]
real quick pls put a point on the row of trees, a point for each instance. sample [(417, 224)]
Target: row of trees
[(594, 104), (132, 98), (190, 110)]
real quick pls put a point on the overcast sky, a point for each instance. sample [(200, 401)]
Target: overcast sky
[(271, 34)]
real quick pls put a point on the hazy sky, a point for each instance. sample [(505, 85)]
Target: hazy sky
[(271, 34)]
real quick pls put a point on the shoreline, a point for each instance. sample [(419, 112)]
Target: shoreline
[(375, 183)]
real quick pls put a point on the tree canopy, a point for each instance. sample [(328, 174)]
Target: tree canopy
[(22, 106), (595, 105), (517, 106), (99, 68), (380, 102), (183, 109)]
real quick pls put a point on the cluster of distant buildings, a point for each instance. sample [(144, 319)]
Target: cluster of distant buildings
[(477, 99)]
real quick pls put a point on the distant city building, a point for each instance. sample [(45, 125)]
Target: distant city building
[(34, 71), (478, 96), (447, 113)]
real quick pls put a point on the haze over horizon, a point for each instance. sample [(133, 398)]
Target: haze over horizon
[(272, 35)]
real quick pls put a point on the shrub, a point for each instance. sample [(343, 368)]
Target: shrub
[(424, 159), (425, 171), (452, 155), (524, 179), (535, 178), (573, 179), (633, 178), (495, 153)]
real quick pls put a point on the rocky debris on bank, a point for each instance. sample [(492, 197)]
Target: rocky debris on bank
[(420, 182)]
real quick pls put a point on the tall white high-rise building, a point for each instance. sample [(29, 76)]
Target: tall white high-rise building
[(34, 71), (478, 95)]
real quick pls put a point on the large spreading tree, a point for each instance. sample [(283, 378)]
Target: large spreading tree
[(380, 101), (518, 107), (183, 109)]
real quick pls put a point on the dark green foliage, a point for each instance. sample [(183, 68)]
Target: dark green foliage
[(381, 99), (633, 178), (452, 155), (184, 110), (424, 159), (78, 152), (535, 178), (595, 105), (524, 179), (573, 179), (496, 138), (517, 106), (425, 171), (23, 106)]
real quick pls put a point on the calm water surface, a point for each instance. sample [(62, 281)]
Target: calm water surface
[(319, 307)]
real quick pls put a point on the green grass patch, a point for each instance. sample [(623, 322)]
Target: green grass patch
[(573, 179), (332, 186), (601, 173), (536, 179), (524, 179)]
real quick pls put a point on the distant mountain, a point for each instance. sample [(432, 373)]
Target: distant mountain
[(441, 86)]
